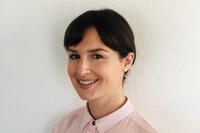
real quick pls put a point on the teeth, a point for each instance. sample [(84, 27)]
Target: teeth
[(87, 82)]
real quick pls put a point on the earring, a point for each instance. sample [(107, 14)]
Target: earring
[(125, 70)]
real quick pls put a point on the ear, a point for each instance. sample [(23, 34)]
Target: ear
[(128, 60)]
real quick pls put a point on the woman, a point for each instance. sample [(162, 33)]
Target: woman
[(101, 50)]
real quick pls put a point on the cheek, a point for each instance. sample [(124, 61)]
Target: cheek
[(102, 72), (70, 69), (107, 71)]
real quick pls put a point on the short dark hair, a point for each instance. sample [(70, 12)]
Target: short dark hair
[(113, 29)]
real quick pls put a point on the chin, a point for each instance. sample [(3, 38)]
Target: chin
[(85, 97)]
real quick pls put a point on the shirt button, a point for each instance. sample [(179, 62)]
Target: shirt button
[(93, 123)]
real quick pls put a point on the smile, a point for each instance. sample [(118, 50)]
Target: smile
[(87, 82)]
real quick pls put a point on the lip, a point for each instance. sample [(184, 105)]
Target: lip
[(86, 86)]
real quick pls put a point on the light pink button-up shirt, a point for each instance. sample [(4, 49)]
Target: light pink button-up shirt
[(123, 120)]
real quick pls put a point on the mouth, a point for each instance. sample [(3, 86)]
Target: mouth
[(85, 84)]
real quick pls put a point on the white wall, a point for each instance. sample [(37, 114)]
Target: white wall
[(35, 90)]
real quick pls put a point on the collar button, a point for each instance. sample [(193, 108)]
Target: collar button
[(93, 123)]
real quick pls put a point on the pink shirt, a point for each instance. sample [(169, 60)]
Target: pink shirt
[(123, 120)]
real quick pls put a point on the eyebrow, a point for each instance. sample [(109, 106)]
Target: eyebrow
[(89, 51)]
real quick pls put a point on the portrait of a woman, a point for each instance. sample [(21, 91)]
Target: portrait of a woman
[(101, 50)]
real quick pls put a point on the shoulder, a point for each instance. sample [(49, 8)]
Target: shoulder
[(141, 124), (72, 115), (67, 119)]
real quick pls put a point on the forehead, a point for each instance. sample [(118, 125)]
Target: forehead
[(90, 40)]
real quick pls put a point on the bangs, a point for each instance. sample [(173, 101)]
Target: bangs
[(77, 28)]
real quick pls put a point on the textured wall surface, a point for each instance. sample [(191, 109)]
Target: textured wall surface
[(35, 90)]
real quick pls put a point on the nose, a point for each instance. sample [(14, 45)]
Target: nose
[(83, 67)]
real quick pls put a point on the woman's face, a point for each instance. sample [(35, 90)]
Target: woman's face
[(95, 70)]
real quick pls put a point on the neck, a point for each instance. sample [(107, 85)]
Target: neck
[(105, 105)]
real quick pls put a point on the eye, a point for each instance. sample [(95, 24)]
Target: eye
[(74, 56), (96, 56)]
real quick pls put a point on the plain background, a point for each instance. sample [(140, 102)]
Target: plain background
[(163, 85)]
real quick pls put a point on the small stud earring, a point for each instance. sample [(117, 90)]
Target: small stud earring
[(125, 70)]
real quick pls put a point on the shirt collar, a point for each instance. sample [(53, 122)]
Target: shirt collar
[(109, 120)]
